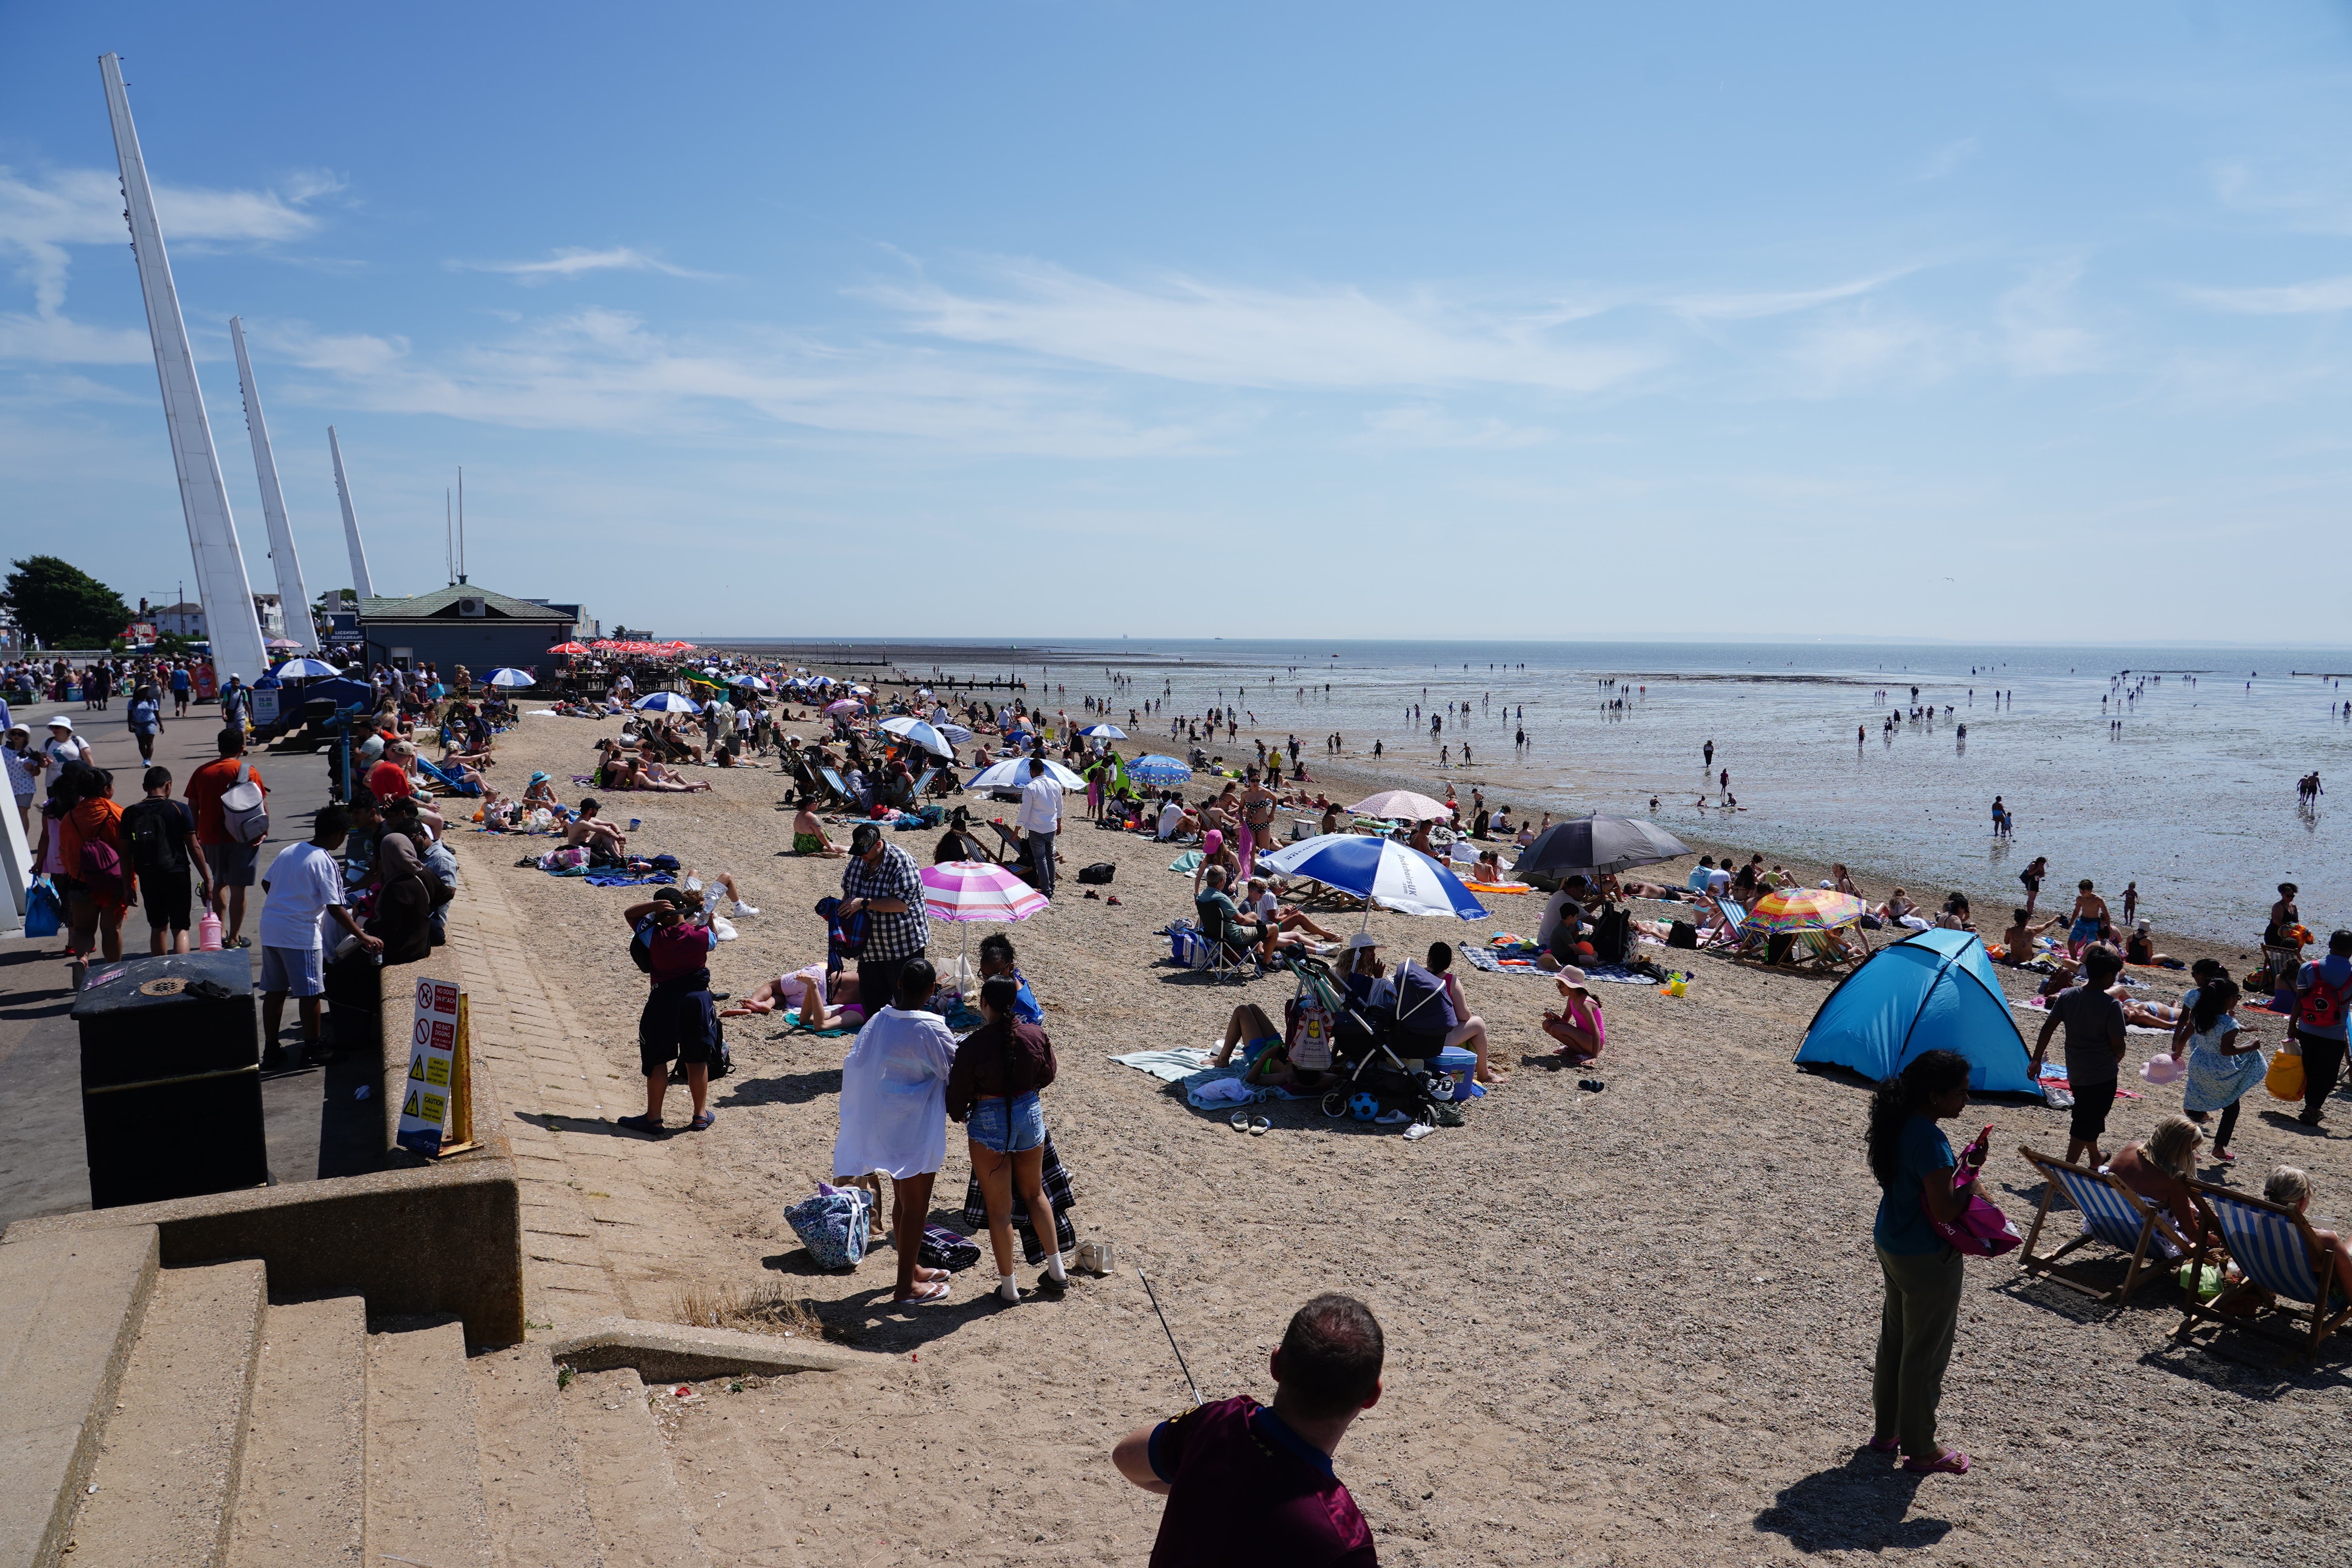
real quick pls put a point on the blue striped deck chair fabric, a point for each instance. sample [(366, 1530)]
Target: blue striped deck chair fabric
[(2111, 1212), (444, 781), (2272, 1247)]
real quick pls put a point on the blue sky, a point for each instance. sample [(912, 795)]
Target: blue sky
[(1035, 320)]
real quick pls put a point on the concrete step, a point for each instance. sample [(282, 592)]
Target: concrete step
[(725, 1479), (424, 1472), (632, 1494), (166, 1483), (70, 1308), (302, 1499), (532, 1494)]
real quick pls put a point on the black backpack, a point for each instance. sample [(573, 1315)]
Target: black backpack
[(1098, 873), (1612, 936), (641, 946), (151, 841)]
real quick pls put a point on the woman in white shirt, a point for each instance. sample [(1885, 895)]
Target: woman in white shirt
[(894, 1116)]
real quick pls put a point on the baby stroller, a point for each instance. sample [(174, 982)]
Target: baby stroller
[(1364, 1056)]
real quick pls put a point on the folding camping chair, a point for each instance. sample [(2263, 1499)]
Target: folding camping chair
[(2273, 1247), (2112, 1213), (1226, 958), (1014, 851), (830, 779)]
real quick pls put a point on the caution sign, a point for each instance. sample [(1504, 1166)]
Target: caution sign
[(425, 1099)]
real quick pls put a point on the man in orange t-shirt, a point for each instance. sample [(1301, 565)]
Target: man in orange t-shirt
[(232, 864)]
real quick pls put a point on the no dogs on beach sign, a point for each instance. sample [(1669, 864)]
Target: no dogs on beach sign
[(436, 1083)]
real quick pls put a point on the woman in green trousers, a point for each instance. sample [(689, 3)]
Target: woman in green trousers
[(1911, 1158)]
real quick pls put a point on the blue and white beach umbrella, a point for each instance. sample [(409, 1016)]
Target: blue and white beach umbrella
[(955, 733), (1380, 870), (666, 703), (508, 677), (1156, 772), (1103, 732), (1014, 773), (918, 732), (305, 670)]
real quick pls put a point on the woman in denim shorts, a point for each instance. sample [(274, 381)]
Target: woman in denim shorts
[(992, 1090)]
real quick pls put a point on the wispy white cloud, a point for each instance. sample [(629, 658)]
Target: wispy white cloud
[(1185, 328), (59, 339), (575, 263), (605, 369), (1867, 344), (1755, 304), (1422, 425), (2038, 333), (1944, 159), (42, 218), (2322, 295)]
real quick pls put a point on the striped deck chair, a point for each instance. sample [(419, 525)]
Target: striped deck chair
[(444, 781), (2112, 1213), (2272, 1247)]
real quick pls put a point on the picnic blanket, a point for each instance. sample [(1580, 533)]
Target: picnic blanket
[(1172, 1066), (799, 1028), (1506, 961), (610, 878)]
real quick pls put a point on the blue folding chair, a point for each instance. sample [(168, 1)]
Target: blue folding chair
[(444, 781), (2273, 1247), (2112, 1213)]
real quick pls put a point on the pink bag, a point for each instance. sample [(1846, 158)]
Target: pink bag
[(1982, 1230)]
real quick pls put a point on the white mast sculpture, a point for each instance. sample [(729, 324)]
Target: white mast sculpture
[(293, 597), (359, 584), (221, 583)]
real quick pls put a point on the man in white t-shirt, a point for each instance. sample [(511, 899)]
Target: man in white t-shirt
[(1040, 819), (304, 883), (1172, 819)]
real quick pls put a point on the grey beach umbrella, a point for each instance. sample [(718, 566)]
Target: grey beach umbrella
[(1599, 844)]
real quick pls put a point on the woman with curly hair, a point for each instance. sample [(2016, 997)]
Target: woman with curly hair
[(1913, 1162)]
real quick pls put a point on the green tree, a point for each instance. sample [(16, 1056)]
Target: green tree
[(63, 605)]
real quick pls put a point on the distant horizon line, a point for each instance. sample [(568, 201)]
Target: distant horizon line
[(1842, 639)]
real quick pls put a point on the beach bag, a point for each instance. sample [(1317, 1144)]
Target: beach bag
[(833, 1225), (1311, 1051), (245, 810), (1682, 933), (42, 914), (1187, 946), (944, 1248), (1099, 873), (2285, 1080), (102, 870), (1981, 1231)]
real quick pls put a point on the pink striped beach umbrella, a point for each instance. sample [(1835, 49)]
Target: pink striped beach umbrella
[(965, 890)]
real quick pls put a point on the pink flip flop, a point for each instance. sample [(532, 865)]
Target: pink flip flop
[(1951, 1462)]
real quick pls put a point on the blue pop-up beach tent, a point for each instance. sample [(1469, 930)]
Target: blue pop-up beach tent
[(1935, 990)]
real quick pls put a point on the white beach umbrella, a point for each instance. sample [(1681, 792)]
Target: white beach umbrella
[(666, 703), (305, 670), (511, 676), (921, 732), (1014, 773)]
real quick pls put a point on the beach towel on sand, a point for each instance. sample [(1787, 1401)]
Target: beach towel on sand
[(2042, 1005), (1188, 862), (1173, 1066)]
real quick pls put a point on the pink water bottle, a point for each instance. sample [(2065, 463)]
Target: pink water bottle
[(208, 931)]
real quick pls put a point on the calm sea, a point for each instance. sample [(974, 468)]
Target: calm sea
[(2194, 797)]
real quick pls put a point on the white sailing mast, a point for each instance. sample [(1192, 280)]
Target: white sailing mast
[(293, 597), (221, 583), (359, 584)]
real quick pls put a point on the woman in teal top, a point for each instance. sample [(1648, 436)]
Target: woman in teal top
[(1911, 1159)]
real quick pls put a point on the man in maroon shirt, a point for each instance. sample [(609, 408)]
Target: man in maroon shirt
[(1250, 1486)]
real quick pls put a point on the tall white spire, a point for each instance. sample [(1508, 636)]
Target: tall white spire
[(227, 595), (293, 597), (359, 584)]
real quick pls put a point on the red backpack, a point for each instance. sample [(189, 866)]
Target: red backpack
[(2323, 1006)]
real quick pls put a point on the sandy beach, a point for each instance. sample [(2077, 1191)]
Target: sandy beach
[(1631, 1326)]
